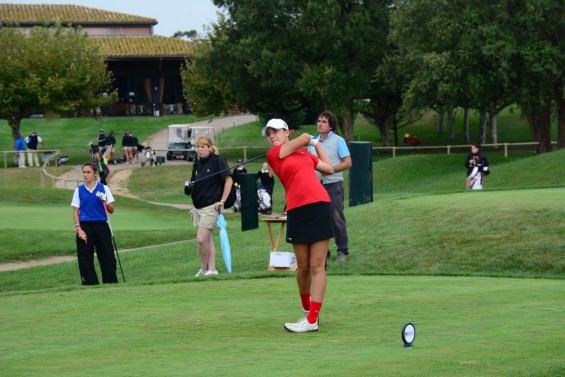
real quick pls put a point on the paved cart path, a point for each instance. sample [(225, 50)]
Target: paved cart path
[(158, 141)]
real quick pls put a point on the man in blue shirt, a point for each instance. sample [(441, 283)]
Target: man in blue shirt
[(337, 151)]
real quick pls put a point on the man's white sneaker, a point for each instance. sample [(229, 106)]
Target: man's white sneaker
[(301, 326), (208, 273), (200, 273)]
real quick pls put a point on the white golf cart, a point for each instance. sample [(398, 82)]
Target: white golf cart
[(182, 140)]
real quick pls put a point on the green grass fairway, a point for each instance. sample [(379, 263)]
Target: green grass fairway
[(480, 274), (56, 217), (465, 327)]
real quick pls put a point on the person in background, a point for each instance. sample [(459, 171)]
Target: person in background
[(92, 202), (101, 165), (32, 141), (135, 148), (239, 169), (109, 151), (208, 197), (265, 176), (477, 167), (309, 214), (128, 147), (21, 148), (101, 140), (337, 151), (410, 140)]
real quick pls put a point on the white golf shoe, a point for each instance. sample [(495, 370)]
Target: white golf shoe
[(301, 326)]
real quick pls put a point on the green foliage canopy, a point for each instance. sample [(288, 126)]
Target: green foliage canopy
[(50, 71), (270, 56)]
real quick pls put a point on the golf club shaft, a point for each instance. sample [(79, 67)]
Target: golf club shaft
[(118, 257), (227, 169), (114, 241)]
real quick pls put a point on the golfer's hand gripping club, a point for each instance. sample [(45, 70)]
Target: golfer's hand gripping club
[(313, 141), (102, 196)]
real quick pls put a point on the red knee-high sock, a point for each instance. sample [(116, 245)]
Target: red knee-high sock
[(305, 299), (314, 312)]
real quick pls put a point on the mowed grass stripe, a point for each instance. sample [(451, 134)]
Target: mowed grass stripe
[(465, 326), (31, 216)]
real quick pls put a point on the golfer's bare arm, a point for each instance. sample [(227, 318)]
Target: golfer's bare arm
[(76, 218), (110, 207)]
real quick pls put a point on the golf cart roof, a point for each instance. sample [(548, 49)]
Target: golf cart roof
[(189, 125)]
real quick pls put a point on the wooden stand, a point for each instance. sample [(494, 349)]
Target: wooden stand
[(275, 242)]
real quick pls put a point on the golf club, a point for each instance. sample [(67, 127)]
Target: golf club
[(291, 131), (227, 169), (114, 240)]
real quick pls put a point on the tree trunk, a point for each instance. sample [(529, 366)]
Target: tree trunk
[(540, 127), (347, 122), (395, 128), (440, 115), (451, 124), (482, 126), (383, 127), (14, 124), (493, 127), (560, 115), (533, 127), (466, 137), (544, 125)]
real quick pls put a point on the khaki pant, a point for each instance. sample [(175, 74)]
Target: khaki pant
[(32, 157)]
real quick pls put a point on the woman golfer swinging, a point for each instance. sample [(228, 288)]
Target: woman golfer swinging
[(93, 232), (309, 214)]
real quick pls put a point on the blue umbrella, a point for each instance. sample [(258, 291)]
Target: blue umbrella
[(224, 240)]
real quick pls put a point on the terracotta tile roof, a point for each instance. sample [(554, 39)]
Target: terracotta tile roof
[(26, 14), (142, 47)]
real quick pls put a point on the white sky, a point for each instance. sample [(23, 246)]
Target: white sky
[(172, 15)]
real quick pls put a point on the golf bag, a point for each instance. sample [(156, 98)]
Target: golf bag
[(264, 200), (237, 204), (148, 157)]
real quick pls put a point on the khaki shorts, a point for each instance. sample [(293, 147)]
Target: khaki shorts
[(204, 217)]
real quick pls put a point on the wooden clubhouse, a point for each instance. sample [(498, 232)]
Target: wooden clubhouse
[(146, 67)]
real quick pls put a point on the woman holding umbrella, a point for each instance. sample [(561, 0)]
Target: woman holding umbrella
[(309, 214), (208, 197)]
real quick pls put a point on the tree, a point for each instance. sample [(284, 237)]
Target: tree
[(205, 92), (344, 44), (540, 29), (50, 71), (384, 104), (461, 55), (284, 57), (253, 54), (188, 34)]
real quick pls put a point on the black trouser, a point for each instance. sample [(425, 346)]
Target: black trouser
[(336, 192), (99, 237)]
